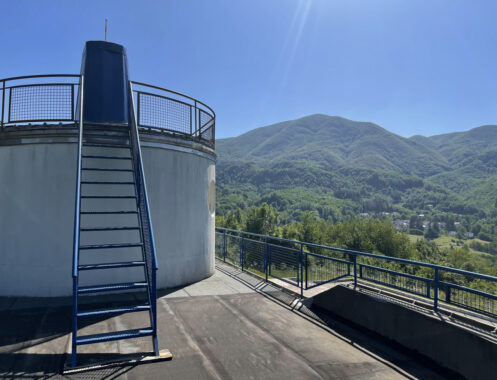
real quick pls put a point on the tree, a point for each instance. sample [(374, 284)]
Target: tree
[(308, 229), (461, 233), (262, 220), (431, 233), (234, 219)]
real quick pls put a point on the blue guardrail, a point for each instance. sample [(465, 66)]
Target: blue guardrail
[(307, 265)]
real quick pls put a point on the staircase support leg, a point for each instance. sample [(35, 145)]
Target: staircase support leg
[(74, 320)]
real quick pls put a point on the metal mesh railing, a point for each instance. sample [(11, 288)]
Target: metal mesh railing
[(163, 113), (321, 269), (284, 263), (167, 111), (233, 249), (205, 120), (40, 102), (405, 282), (471, 299), (37, 99), (43, 99), (254, 255), (219, 245)]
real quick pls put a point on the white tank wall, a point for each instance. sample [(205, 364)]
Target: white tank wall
[(37, 216), (184, 227)]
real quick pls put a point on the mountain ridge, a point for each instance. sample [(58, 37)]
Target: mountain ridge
[(340, 156)]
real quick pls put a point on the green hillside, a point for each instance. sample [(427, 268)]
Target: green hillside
[(331, 142), (338, 168)]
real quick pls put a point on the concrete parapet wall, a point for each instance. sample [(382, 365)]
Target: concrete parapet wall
[(451, 346)]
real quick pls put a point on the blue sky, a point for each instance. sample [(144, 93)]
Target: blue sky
[(413, 67)]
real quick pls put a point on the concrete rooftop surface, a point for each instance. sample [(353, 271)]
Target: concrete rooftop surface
[(229, 326)]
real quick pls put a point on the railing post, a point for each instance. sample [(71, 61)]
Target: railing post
[(269, 260), (306, 270), (199, 124), (354, 258), (3, 101), (195, 113), (224, 245), (266, 259), (74, 347), (138, 107), (435, 291), (301, 270), (241, 252)]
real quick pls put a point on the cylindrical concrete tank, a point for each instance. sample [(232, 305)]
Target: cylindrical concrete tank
[(37, 192), (38, 174)]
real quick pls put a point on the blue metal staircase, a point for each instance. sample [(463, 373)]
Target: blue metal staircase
[(99, 148)]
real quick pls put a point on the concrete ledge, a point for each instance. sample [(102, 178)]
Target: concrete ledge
[(450, 346)]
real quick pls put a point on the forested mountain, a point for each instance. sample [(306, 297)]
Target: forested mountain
[(331, 142), (340, 168)]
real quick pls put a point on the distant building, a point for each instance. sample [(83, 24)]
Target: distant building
[(452, 233), (442, 225), (469, 235), (401, 225)]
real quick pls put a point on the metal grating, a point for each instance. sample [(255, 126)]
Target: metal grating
[(160, 112), (40, 102)]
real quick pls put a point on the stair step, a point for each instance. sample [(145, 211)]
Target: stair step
[(108, 212), (107, 246), (126, 334), (109, 228), (108, 170), (107, 157), (111, 287), (107, 183), (126, 264), (101, 145), (113, 311), (108, 197)]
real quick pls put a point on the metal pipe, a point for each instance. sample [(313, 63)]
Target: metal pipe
[(77, 220), (77, 207), (74, 322)]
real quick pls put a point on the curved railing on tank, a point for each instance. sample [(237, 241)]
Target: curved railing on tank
[(163, 110), (38, 100)]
